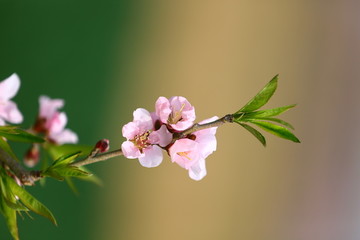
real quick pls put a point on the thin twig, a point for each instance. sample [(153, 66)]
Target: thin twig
[(197, 127), (97, 158)]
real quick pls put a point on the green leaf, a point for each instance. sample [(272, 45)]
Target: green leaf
[(65, 160), (5, 145), (57, 151), (261, 98), (71, 171), (254, 132), (50, 172), (276, 130), (29, 201), (71, 185), (269, 112), (10, 218), (282, 122), (91, 178), (16, 134)]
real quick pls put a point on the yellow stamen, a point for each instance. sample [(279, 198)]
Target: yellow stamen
[(175, 116), (184, 154)]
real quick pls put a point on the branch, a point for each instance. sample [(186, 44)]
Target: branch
[(93, 158), (197, 127), (26, 177), (30, 177)]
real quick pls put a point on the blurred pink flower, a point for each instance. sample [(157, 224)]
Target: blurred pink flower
[(190, 153), (8, 109), (52, 122), (176, 111), (142, 141)]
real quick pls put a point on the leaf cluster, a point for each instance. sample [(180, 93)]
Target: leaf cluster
[(265, 119), (15, 199)]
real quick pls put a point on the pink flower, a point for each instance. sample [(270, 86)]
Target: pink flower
[(176, 111), (52, 122), (190, 153), (142, 141), (8, 109)]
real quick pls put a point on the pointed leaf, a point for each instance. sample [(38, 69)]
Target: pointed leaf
[(91, 178), (29, 201), (276, 130), (18, 135), (269, 112), (71, 171), (255, 132), (71, 185), (282, 122), (5, 145), (67, 159), (262, 97), (10, 218)]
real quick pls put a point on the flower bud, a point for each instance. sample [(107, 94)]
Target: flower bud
[(103, 145), (32, 156)]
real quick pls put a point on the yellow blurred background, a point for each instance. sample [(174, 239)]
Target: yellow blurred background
[(107, 59), (218, 54)]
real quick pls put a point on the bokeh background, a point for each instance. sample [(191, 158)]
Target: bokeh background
[(108, 58)]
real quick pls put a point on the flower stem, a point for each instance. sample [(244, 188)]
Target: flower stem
[(197, 127)]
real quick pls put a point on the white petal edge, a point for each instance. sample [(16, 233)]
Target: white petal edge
[(153, 157)]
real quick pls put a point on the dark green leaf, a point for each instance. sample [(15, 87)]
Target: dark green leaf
[(91, 178), (5, 145), (261, 98), (65, 160), (268, 113), (50, 172), (10, 218), (71, 171), (18, 135), (276, 130), (29, 201), (57, 151), (255, 132)]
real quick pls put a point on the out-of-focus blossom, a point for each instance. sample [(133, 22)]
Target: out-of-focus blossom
[(32, 156), (8, 109), (176, 111), (52, 123), (143, 142)]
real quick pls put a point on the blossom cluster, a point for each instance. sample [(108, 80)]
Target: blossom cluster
[(151, 133), (50, 121)]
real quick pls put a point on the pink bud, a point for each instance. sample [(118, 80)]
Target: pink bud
[(103, 145)]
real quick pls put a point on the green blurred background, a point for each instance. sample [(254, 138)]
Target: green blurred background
[(108, 58)]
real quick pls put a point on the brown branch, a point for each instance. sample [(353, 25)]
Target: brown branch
[(197, 127), (26, 177), (97, 158)]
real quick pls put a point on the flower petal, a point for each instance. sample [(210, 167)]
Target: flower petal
[(198, 170), (130, 130), (129, 150), (9, 112), (152, 157), (48, 106), (9, 87), (57, 123), (65, 136), (163, 110), (185, 152), (162, 136)]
